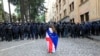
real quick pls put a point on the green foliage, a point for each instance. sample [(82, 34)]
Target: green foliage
[(36, 7), (17, 10), (40, 18), (14, 2), (1, 19)]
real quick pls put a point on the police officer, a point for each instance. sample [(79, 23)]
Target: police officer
[(9, 32), (15, 30), (32, 28)]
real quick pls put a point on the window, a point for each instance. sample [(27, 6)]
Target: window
[(60, 16), (82, 18), (59, 4), (65, 12), (64, 2), (87, 16), (59, 1), (57, 8), (72, 20), (82, 2), (71, 6)]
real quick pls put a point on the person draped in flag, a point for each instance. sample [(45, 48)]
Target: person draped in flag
[(52, 39)]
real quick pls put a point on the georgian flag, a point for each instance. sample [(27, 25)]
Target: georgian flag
[(52, 40)]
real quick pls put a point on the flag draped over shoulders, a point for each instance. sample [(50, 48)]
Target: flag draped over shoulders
[(52, 40)]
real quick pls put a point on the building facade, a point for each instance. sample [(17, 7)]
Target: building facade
[(77, 11), (50, 10)]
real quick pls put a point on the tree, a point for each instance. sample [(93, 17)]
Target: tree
[(1, 11), (9, 10), (30, 9)]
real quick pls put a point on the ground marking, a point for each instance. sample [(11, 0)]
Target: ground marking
[(15, 46)]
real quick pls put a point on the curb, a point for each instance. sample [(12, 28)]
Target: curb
[(91, 38)]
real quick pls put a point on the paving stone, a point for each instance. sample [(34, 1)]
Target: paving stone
[(66, 47)]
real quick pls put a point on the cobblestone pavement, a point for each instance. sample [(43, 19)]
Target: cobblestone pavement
[(66, 47)]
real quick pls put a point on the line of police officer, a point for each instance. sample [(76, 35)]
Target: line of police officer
[(20, 31), (84, 29), (17, 31)]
